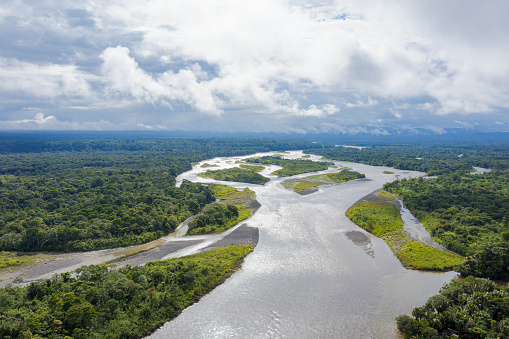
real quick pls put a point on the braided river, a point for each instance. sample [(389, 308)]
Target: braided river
[(306, 278)]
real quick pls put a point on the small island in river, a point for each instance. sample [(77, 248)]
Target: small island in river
[(378, 213), (310, 184)]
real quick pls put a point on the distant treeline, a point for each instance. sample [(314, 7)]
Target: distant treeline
[(431, 158), (202, 148)]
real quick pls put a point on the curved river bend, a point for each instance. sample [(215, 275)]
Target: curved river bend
[(306, 279)]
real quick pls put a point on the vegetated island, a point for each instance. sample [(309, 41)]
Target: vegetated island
[(472, 308), (233, 206), (377, 213), (205, 165), (309, 184), (290, 167), (248, 175), (98, 302)]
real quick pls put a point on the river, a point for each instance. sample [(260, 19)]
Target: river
[(306, 278)]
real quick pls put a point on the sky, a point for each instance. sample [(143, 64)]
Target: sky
[(348, 67)]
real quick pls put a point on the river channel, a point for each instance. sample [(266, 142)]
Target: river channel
[(306, 278)]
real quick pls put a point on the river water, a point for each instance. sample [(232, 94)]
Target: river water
[(306, 278)]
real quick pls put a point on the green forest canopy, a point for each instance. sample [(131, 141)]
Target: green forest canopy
[(85, 194), (102, 303)]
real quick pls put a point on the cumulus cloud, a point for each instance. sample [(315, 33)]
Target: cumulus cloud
[(302, 60), (47, 80)]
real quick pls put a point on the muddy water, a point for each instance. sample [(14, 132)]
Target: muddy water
[(307, 278)]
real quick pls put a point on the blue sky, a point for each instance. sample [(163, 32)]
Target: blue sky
[(254, 66)]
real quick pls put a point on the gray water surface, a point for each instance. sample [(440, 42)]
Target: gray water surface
[(306, 278)]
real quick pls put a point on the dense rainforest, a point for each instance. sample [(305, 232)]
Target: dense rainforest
[(85, 194), (217, 218), (97, 302), (470, 309)]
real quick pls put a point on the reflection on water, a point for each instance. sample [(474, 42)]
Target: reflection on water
[(306, 278)]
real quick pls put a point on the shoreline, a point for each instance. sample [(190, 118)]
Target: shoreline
[(134, 255)]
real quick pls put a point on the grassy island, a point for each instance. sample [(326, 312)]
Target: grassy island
[(248, 175), (300, 185), (290, 167), (381, 217), (127, 303)]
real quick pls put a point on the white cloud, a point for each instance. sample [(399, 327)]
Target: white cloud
[(50, 122), (43, 81), (291, 60)]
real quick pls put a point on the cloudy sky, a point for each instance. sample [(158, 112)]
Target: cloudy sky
[(266, 65)]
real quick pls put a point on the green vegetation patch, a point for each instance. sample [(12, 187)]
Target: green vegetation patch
[(299, 185), (16, 259), (9, 259), (217, 218), (253, 168), (205, 165), (290, 167), (383, 219), (419, 256), (376, 217), (236, 174), (344, 176), (388, 172), (386, 196), (126, 303), (472, 308), (306, 156)]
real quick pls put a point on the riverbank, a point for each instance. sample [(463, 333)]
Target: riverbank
[(134, 255), (127, 303)]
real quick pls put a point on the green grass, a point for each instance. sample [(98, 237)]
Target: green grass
[(301, 186), (232, 195), (382, 219), (416, 255), (10, 260), (306, 156), (388, 172), (376, 217), (386, 196)]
